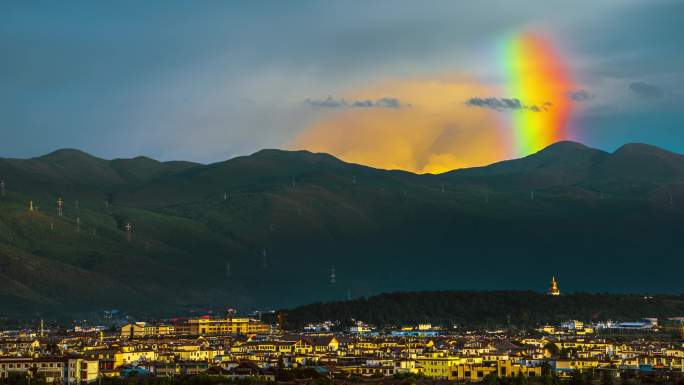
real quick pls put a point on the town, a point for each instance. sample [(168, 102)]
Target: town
[(341, 192), (244, 348), (229, 347)]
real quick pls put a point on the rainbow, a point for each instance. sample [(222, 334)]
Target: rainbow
[(537, 77)]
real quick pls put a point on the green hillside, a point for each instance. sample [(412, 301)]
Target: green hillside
[(265, 230)]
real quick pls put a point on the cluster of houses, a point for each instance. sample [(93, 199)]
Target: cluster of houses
[(245, 348)]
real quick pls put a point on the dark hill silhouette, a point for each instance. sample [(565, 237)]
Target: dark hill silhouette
[(266, 229), (641, 163), (560, 164), (488, 309), (561, 155)]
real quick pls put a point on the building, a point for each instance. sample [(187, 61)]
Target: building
[(144, 329), (223, 326), (360, 327), (202, 326), (64, 370), (553, 290), (437, 366), (573, 325)]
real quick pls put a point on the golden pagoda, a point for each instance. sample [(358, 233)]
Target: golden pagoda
[(553, 290)]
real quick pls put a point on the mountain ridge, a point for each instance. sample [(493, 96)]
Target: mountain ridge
[(265, 230), (556, 148)]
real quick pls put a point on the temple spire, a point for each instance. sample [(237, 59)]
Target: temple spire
[(553, 290)]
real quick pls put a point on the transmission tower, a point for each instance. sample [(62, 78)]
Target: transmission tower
[(128, 228)]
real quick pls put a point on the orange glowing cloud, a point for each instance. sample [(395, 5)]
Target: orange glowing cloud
[(434, 132)]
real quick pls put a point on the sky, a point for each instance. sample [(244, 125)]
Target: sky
[(425, 86)]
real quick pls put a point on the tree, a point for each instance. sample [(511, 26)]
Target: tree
[(520, 379), (607, 378), (322, 381), (492, 379), (577, 379)]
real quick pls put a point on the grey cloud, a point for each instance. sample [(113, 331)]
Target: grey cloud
[(390, 103), (492, 103), (646, 91), (362, 104), (579, 95), (512, 104), (330, 102), (501, 104)]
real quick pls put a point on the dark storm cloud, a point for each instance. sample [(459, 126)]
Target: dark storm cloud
[(330, 102), (646, 91), (638, 39), (579, 95), (501, 104), (102, 77)]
